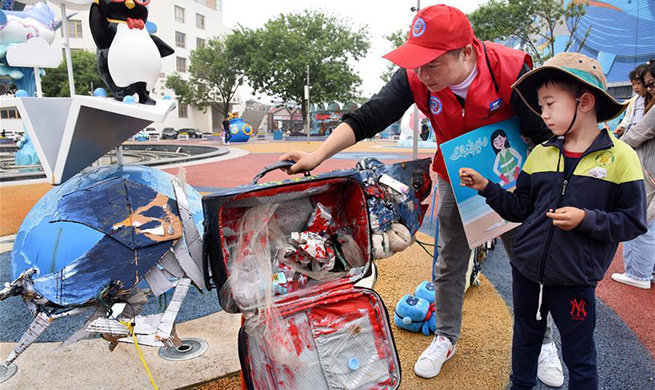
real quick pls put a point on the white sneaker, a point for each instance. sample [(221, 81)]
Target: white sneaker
[(630, 281), (549, 369), (429, 363)]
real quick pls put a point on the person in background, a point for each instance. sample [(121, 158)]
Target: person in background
[(227, 134), (639, 254), (635, 109)]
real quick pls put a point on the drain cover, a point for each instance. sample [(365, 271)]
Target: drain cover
[(190, 348), (7, 372)]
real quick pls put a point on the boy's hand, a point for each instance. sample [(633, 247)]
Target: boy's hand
[(619, 131), (470, 178), (566, 218)]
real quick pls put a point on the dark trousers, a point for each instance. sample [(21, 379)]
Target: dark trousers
[(574, 310)]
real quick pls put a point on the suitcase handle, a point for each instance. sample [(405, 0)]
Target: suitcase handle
[(272, 167)]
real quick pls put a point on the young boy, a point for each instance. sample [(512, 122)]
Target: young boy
[(578, 195)]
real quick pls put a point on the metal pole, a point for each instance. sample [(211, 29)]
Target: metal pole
[(415, 135), (416, 112), (37, 80), (119, 155), (67, 49), (307, 98)]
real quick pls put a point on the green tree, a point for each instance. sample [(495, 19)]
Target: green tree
[(274, 58), (534, 23), (213, 78), (85, 70), (396, 38)]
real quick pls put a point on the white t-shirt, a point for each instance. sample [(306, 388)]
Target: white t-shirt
[(634, 113), (462, 89)]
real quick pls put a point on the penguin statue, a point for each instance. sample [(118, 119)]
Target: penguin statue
[(129, 58)]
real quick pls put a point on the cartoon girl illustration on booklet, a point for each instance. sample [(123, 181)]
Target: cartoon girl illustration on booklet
[(508, 161)]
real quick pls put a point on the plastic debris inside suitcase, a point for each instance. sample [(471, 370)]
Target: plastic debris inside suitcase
[(287, 255)]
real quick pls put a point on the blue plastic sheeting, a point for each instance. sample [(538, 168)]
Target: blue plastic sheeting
[(109, 263), (115, 200), (51, 246)]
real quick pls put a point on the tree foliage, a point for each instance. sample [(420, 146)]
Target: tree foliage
[(85, 71), (534, 23), (274, 58), (396, 38), (213, 77)]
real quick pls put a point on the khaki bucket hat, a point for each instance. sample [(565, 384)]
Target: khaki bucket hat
[(578, 67)]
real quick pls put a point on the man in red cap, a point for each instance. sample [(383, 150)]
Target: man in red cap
[(460, 84)]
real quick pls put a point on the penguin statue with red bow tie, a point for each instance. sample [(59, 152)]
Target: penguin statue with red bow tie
[(129, 56)]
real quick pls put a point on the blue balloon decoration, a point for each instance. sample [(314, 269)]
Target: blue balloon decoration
[(3, 18), (20, 144), (168, 97), (100, 92), (241, 131), (128, 100), (22, 93)]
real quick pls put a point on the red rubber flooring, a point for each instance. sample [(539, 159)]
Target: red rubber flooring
[(636, 307)]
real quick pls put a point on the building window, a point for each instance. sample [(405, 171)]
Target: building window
[(180, 39), (183, 111), (179, 14), (180, 64), (74, 28), (9, 113), (200, 42), (200, 21), (208, 3)]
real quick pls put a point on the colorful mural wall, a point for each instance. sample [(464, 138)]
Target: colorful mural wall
[(622, 35)]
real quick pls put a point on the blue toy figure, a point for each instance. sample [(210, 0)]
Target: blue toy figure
[(416, 314), (425, 290)]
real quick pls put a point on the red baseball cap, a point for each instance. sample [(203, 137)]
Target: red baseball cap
[(435, 30)]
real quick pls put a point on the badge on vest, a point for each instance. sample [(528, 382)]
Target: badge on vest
[(435, 105), (493, 106)]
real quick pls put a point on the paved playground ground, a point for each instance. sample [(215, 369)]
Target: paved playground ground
[(626, 316)]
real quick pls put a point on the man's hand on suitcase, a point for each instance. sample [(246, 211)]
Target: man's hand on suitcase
[(304, 161)]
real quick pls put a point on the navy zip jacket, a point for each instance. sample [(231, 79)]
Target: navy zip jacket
[(607, 183)]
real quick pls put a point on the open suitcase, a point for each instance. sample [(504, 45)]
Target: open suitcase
[(299, 332)]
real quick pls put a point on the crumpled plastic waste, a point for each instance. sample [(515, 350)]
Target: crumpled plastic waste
[(381, 215), (395, 211), (286, 280), (309, 247), (368, 164), (320, 221)]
